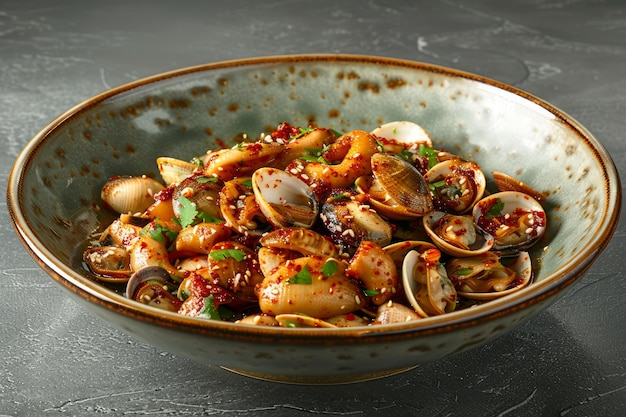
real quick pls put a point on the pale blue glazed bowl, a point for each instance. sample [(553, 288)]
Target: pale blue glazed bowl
[(55, 185)]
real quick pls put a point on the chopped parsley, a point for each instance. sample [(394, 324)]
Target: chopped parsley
[(223, 254), (495, 210), (302, 277), (315, 155), (162, 234), (209, 310), (204, 180), (187, 212), (431, 155), (463, 271), (329, 268), (303, 131)]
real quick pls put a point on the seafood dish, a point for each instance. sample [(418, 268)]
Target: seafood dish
[(309, 227)]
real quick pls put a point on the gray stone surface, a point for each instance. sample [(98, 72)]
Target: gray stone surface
[(58, 359)]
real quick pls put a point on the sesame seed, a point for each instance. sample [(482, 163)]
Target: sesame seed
[(357, 299)]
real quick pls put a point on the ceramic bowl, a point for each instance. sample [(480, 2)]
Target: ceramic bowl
[(54, 194)]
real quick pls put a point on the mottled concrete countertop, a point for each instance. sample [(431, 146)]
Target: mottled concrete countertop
[(58, 359)]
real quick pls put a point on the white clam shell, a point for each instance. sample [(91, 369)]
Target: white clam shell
[(468, 183), (482, 241), (512, 203), (522, 266), (174, 170), (284, 199), (406, 133)]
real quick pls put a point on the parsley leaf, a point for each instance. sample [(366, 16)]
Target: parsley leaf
[(329, 268), (371, 293), (303, 131), (431, 155), (163, 235), (209, 310), (495, 210), (463, 271), (207, 218), (302, 277), (188, 211), (204, 180), (223, 254)]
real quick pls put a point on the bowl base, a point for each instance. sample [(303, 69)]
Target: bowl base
[(320, 379)]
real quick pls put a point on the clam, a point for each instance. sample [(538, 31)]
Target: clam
[(505, 182), (391, 312), (515, 220), (202, 192), (403, 134), (426, 283), (235, 267), (108, 263), (397, 190), (348, 320), (152, 286), (239, 207), (174, 170), (292, 320), (350, 222), (398, 250), (259, 320), (484, 278), (130, 194), (456, 235), (456, 184), (284, 199)]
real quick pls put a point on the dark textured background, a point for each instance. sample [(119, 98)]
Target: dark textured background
[(58, 359)]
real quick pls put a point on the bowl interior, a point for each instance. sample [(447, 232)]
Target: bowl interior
[(182, 114)]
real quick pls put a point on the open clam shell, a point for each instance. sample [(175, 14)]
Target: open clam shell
[(456, 235), (457, 184), (284, 199), (515, 220), (108, 263), (404, 133), (397, 190), (174, 170), (426, 283), (520, 268)]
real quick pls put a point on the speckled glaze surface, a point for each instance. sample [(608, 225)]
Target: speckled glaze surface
[(53, 193)]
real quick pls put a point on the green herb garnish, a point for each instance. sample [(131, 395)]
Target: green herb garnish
[(187, 212), (223, 254), (430, 154), (495, 210), (302, 277), (329, 268), (163, 235), (371, 293), (463, 271), (204, 180), (209, 310), (303, 131)]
